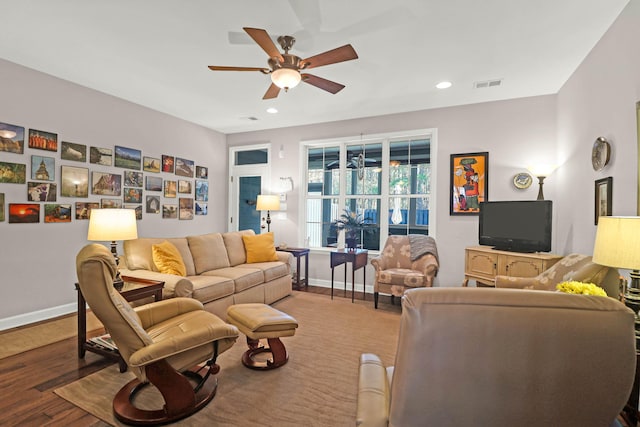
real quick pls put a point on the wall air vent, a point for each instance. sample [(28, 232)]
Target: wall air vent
[(487, 83)]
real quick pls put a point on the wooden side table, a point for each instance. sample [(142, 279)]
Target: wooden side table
[(299, 253), (133, 289), (358, 259)]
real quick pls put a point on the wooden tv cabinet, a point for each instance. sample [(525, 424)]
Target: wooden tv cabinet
[(483, 264)]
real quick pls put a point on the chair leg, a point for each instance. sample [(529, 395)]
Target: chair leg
[(180, 399), (393, 300), (375, 299)]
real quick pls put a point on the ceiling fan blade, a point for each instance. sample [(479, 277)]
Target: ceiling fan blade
[(272, 92), (264, 41), (339, 54), (223, 68), (324, 84)]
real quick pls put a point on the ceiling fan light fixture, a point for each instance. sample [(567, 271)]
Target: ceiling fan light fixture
[(285, 78), (444, 85)]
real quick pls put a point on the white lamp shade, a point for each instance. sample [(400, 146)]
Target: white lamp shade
[(542, 169), (112, 224), (618, 242), (285, 78), (268, 203)]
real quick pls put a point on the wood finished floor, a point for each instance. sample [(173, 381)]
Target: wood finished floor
[(27, 380)]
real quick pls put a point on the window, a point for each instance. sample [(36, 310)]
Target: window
[(386, 181)]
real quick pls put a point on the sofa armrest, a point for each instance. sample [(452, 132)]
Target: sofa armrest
[(157, 312), (174, 286), (378, 263), (428, 265), (518, 282), (374, 393), (285, 257)]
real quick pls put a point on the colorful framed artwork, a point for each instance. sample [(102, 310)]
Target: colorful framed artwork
[(186, 208), (83, 209), (43, 168), (184, 186), (106, 184), (168, 163), (202, 190), (74, 181), (110, 203), (1, 207), (72, 151), (170, 188), (202, 172), (603, 198), (11, 138), (24, 213), (184, 167), (13, 173), (170, 211), (57, 213), (132, 179), (128, 158), (150, 164), (101, 156), (153, 183), (136, 208), (132, 195), (469, 183), (42, 140), (153, 204), (41, 192), (201, 208)]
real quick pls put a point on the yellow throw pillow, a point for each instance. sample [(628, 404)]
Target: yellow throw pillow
[(167, 259), (260, 248)]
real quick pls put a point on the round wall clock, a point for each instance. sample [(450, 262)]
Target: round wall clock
[(600, 153), (522, 180)]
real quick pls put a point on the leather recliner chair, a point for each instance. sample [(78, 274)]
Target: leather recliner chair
[(159, 341), (502, 358)]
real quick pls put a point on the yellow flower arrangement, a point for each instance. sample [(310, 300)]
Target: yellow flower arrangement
[(573, 287)]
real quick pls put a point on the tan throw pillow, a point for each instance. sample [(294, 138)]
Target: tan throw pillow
[(260, 248), (167, 259)]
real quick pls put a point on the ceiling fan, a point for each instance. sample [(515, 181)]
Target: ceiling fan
[(285, 68)]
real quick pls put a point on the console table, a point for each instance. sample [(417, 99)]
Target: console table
[(299, 253), (483, 264), (358, 259), (134, 289)]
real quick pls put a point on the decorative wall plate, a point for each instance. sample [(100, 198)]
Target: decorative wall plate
[(600, 153), (522, 180)]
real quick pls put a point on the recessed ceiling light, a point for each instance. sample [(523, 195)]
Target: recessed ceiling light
[(443, 85), (272, 110)]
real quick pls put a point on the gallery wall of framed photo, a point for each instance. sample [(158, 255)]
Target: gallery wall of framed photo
[(63, 180)]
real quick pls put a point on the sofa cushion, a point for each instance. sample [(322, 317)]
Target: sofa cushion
[(271, 270), (139, 255), (243, 278), (235, 246), (208, 251), (260, 248), (210, 288), (167, 259), (402, 276)]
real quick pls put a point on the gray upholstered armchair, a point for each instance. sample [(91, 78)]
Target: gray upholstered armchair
[(502, 358), (576, 267), (405, 262)]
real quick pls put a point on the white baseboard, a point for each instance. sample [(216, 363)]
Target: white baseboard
[(339, 285), (37, 316)]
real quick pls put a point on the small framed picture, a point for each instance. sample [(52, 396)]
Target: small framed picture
[(13, 173), (43, 168), (170, 188), (110, 203), (603, 198), (201, 208), (132, 179), (202, 172), (132, 195), (153, 204), (168, 163), (57, 213), (184, 186), (106, 184), (469, 183), (41, 191), (186, 208), (83, 209), (170, 211), (11, 138), (128, 158), (153, 183), (74, 181), (150, 164), (74, 152), (184, 167), (101, 156), (42, 140), (136, 208), (202, 190), (24, 213)]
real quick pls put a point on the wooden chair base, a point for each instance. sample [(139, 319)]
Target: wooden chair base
[(276, 348), (181, 399)]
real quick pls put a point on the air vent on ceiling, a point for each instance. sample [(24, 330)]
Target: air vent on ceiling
[(487, 83)]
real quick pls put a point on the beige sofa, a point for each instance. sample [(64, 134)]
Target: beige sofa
[(217, 272)]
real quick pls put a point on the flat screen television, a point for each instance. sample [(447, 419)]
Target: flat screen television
[(518, 226)]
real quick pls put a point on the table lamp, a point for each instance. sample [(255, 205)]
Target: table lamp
[(111, 225), (268, 203), (541, 171)]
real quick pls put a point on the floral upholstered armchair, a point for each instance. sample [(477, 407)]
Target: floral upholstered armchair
[(573, 267), (405, 262)]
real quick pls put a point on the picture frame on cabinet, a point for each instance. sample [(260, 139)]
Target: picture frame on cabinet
[(603, 198), (11, 138), (469, 183)]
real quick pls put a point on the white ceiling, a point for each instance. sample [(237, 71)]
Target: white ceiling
[(156, 52)]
